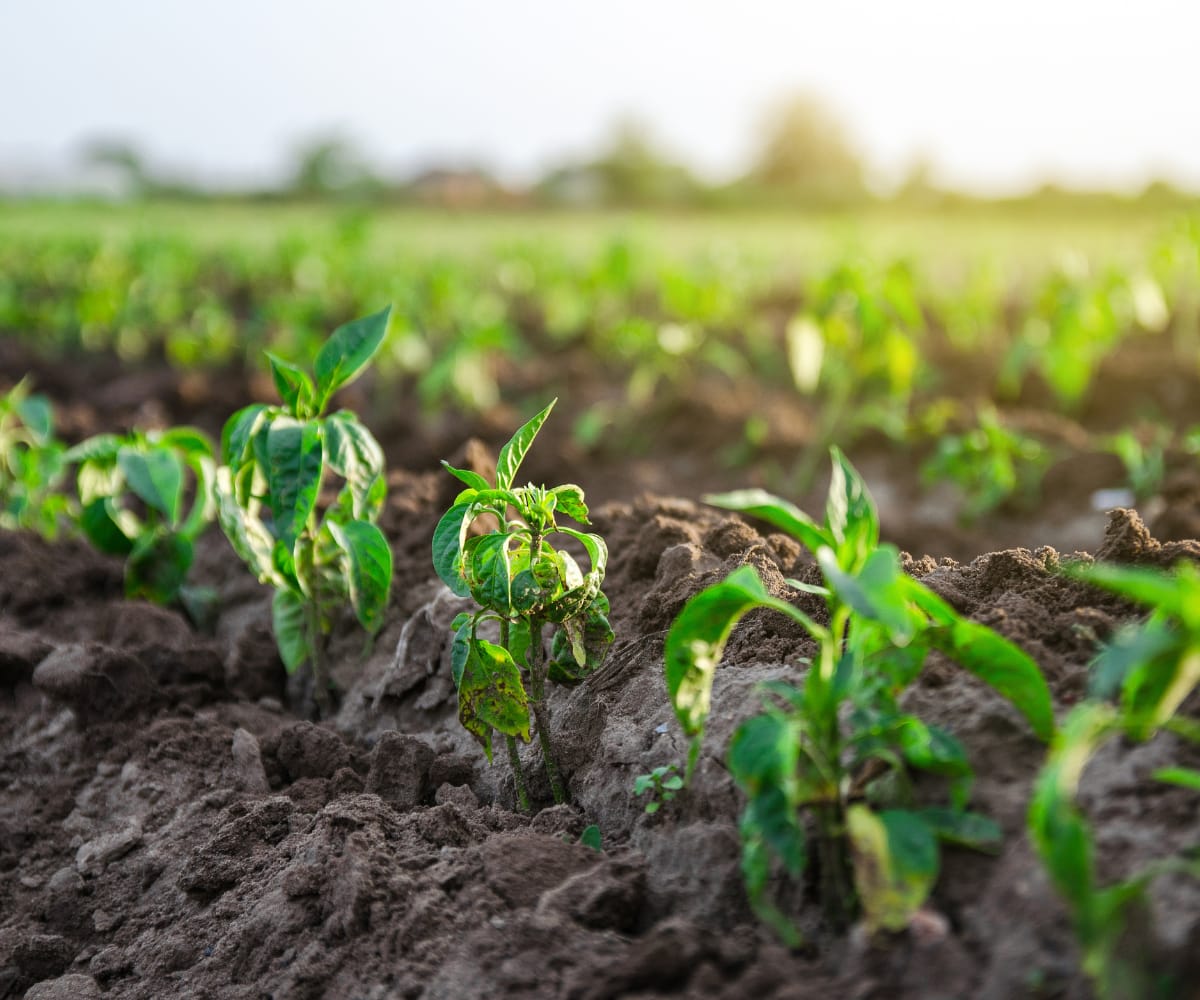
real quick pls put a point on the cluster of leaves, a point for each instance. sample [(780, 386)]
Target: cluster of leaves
[(663, 784), (32, 465), (134, 502), (838, 745), (1140, 680), (277, 460), (522, 583)]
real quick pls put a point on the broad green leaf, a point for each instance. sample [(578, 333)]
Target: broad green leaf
[(157, 566), (1155, 690), (460, 648), (352, 452), (102, 447), (850, 515), (595, 547), (513, 453), (876, 591), (370, 569), (932, 749), (156, 476), (491, 696), (895, 864), (591, 837), (347, 352), (237, 432), (1132, 646), (1176, 593), (696, 642), (1002, 666), (486, 559), (756, 873), (966, 829), (785, 516), (188, 441), (569, 501), (102, 524), (204, 505), (294, 466), (294, 386), (37, 415), (247, 534), (473, 479), (447, 548), (290, 622)]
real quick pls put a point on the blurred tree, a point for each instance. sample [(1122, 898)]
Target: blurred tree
[(807, 155), (330, 166), (122, 161), (630, 170)]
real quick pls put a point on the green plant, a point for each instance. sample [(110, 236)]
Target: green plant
[(1143, 453), (522, 583), (1150, 669), (133, 497), (990, 463), (662, 783), (840, 746), (32, 464), (277, 462)]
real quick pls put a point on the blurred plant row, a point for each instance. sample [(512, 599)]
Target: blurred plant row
[(864, 346)]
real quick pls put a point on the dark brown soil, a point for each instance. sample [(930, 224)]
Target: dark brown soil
[(168, 827)]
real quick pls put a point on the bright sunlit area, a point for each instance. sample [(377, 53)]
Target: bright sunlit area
[(580, 501)]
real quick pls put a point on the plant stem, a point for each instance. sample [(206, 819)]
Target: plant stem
[(837, 892), (514, 759), (320, 674), (537, 701)]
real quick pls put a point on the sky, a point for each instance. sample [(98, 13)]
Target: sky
[(999, 96)]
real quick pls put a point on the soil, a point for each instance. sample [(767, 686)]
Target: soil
[(170, 826)]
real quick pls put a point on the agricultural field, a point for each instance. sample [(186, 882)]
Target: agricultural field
[(400, 604)]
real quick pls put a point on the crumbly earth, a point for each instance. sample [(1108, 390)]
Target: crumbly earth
[(168, 827), (171, 824)]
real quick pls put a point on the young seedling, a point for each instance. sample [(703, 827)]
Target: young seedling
[(839, 746), (1150, 669), (133, 492), (277, 461), (522, 584), (662, 783), (32, 464)]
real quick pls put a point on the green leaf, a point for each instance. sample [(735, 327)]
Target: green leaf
[(103, 447), (569, 501), (370, 569), (347, 352), (756, 873), (294, 386), (696, 642), (157, 566), (237, 432), (489, 571), (156, 476), (246, 533), (591, 837), (352, 452), (785, 516), (895, 864), (1002, 666), (876, 591), (1131, 647), (37, 415), (513, 453), (187, 441), (290, 622), (1183, 776), (473, 479), (1176, 593), (850, 515), (294, 468), (965, 829), (447, 548), (460, 648), (491, 696), (102, 526)]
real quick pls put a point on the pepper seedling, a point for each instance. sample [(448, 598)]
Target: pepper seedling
[(133, 493), (32, 464), (522, 584), (840, 747), (277, 460)]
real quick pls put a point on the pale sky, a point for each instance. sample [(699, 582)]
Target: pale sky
[(999, 95)]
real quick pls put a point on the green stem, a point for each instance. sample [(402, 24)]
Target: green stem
[(837, 890), (541, 711), (317, 666), (514, 759)]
